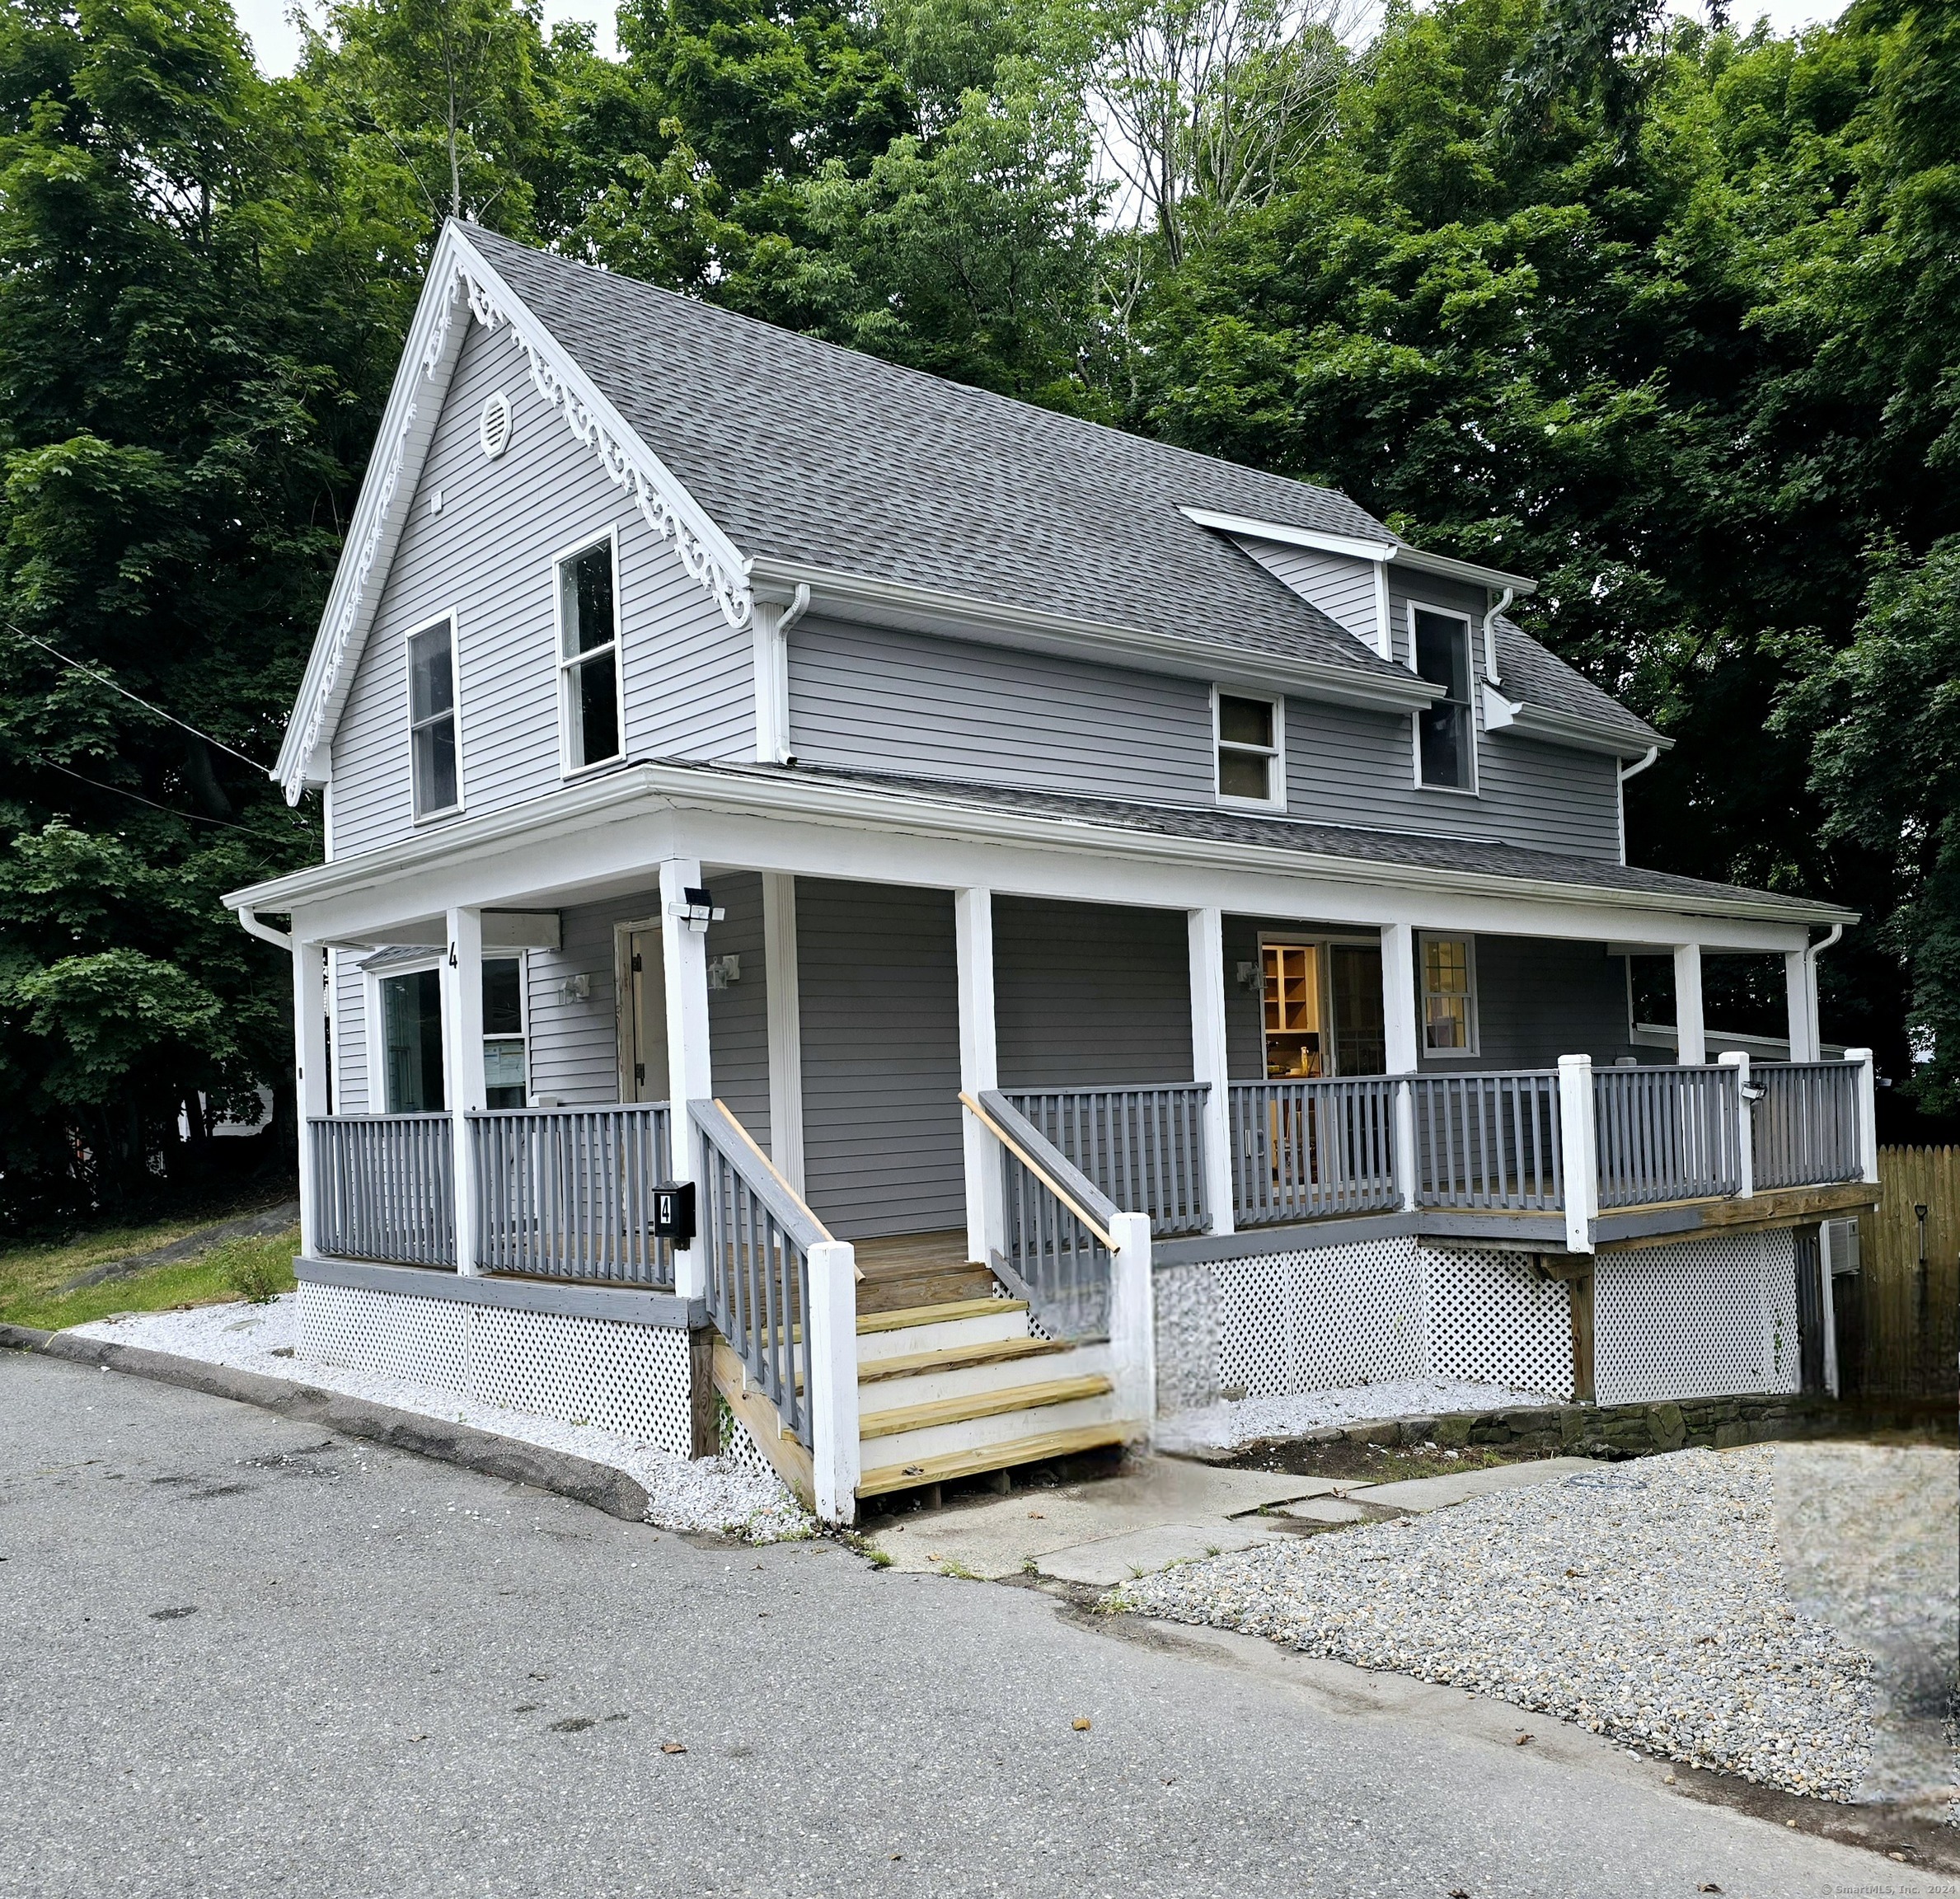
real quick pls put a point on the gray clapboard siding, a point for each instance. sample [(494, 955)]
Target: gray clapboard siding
[(574, 1045), (864, 696), (1090, 995), (488, 556), (350, 1035), (738, 1016), (880, 1003), (1341, 587)]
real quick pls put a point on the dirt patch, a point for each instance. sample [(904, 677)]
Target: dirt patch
[(1378, 1463)]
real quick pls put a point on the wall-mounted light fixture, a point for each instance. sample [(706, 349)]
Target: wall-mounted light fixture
[(576, 988), (723, 971), (1251, 979), (697, 910)]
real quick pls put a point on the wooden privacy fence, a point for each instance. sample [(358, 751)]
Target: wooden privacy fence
[(1899, 1317)]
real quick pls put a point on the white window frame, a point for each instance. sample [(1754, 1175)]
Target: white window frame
[(561, 666), (1474, 1025), (521, 958), (1473, 790), (1276, 754), (408, 701), (377, 1051)]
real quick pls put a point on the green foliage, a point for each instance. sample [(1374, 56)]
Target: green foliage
[(33, 1277)]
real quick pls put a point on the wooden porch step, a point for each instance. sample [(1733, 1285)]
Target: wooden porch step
[(903, 1317), (959, 1357), (926, 1286), (982, 1404), (886, 1479)]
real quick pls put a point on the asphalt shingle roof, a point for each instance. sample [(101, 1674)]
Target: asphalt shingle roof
[(800, 450), (1470, 855)]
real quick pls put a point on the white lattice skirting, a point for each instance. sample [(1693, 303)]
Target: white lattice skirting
[(1700, 1319), (1703, 1318), (632, 1379)]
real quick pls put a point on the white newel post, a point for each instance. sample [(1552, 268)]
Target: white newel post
[(691, 1076), (1399, 1041), (833, 1382), (1800, 991), (1745, 1124), (1206, 932), (979, 1069), (1867, 1111), (312, 1097), (1691, 1037), (462, 983), (1578, 1143), (1132, 1320)]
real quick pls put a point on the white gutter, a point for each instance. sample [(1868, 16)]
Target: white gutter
[(278, 939), (1398, 551), (1641, 765)]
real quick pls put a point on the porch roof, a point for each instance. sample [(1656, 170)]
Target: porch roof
[(998, 813)]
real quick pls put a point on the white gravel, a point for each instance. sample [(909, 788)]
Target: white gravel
[(715, 1495), (1238, 1422), (1644, 1600)]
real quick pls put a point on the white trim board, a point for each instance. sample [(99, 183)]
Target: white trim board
[(459, 271)]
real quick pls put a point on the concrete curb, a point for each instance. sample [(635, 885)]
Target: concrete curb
[(558, 1471)]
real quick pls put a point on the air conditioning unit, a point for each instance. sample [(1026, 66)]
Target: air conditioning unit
[(1841, 1246)]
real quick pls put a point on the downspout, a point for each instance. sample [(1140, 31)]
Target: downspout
[(278, 939), (1816, 949), (1490, 635), (1627, 772), (777, 660)]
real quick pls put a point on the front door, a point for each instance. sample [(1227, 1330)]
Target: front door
[(642, 1016), (1323, 1007)]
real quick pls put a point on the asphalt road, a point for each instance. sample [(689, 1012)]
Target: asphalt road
[(243, 1658)]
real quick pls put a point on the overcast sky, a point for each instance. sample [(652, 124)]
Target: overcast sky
[(278, 47)]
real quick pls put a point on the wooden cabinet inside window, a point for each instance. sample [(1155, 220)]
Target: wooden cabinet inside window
[(1293, 1010)]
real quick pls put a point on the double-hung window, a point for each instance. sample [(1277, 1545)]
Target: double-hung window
[(1251, 762), (1449, 995), (506, 1077), (589, 656), (413, 1078), (1445, 728), (432, 719)]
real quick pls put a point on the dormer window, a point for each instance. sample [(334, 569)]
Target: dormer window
[(589, 656), (1445, 728), (434, 781), (1251, 764)]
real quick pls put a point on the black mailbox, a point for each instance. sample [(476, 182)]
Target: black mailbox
[(673, 1211)]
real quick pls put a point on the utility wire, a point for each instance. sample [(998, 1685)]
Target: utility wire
[(168, 811), (104, 679)]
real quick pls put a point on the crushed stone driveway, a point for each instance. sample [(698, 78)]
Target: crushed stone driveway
[(239, 1658)]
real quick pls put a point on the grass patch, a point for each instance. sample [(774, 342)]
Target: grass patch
[(31, 1277)]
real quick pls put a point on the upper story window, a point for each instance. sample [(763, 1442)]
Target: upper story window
[(1446, 730), (1251, 759), (432, 719), (1449, 972), (589, 656)]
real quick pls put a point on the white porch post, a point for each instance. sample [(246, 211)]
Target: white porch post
[(785, 1026), (1867, 1111), (463, 1018), (1800, 989), (310, 1094), (1738, 1060), (1691, 1037), (1206, 932), (690, 1076), (979, 1069), (833, 1382), (1399, 1041), (1132, 1319), (1578, 1141)]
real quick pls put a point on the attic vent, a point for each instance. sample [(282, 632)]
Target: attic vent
[(494, 430)]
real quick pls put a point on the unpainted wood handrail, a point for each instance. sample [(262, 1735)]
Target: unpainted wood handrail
[(1041, 1173)]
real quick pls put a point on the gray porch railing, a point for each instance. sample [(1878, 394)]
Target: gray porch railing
[(1058, 1226), (1805, 1126), (1489, 1139), (1304, 1149), (567, 1193), (383, 1187), (1143, 1147), (757, 1236), (1667, 1132)]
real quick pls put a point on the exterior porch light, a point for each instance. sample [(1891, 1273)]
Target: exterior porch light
[(723, 972), (1251, 979), (697, 909)]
